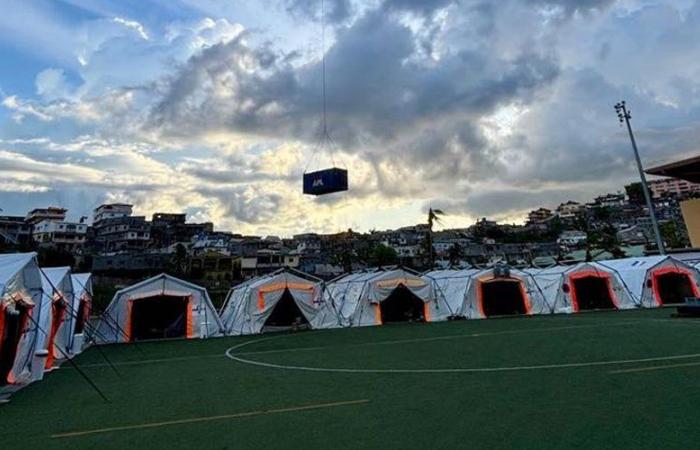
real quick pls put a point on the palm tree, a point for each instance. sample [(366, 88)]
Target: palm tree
[(433, 218)]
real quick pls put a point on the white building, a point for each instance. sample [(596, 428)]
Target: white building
[(572, 238), (570, 210), (112, 210), (62, 235)]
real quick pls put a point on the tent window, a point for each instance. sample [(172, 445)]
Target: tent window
[(502, 298), (159, 317), (402, 306), (286, 313), (13, 322), (674, 287), (593, 293)]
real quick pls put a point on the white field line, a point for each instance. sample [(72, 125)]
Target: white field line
[(148, 425), (652, 368)]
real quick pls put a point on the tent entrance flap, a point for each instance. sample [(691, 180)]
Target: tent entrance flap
[(402, 305), (503, 297), (12, 324), (673, 287), (81, 317), (159, 317), (286, 313), (593, 292)]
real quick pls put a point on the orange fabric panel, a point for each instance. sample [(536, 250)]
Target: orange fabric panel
[(397, 281), (282, 286), (279, 287), (261, 300), (591, 274), (190, 319), (666, 270), (57, 312), (521, 285), (127, 325), (378, 314), (426, 312)]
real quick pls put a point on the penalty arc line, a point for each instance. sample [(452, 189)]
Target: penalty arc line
[(366, 344), (230, 354), (208, 418)]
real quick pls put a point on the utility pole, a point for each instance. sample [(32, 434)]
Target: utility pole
[(625, 115)]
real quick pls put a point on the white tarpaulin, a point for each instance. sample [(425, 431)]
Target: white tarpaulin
[(490, 295), (569, 289), (357, 297), (656, 280), (82, 305), (451, 287), (195, 316), (20, 291), (250, 305), (56, 314)]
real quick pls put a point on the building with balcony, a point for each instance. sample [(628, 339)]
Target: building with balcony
[(15, 230), (61, 235), (51, 213)]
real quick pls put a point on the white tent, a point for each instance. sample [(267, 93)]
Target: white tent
[(56, 314), (492, 294), (20, 290), (282, 299), (583, 286), (82, 306), (159, 307), (656, 280), (368, 298), (451, 287)]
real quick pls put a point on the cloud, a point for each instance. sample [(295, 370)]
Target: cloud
[(482, 109), (134, 25)]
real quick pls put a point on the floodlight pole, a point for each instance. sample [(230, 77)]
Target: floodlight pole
[(624, 115)]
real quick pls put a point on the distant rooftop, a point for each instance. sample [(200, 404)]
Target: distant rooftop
[(685, 169)]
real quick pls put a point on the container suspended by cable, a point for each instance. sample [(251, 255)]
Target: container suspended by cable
[(334, 179)]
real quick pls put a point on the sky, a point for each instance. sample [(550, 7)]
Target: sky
[(213, 107)]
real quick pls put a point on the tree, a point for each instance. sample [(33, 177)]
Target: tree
[(671, 236), (51, 257), (433, 218), (455, 253), (635, 193), (384, 256)]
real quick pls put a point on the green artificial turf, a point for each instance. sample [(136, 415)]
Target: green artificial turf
[(575, 407)]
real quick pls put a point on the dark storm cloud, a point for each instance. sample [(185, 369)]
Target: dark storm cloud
[(382, 100)]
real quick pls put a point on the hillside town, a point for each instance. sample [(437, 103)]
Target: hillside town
[(118, 245)]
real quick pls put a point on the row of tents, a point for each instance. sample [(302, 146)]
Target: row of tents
[(165, 307), (44, 314)]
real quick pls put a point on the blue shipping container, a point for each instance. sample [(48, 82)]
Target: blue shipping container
[(326, 181)]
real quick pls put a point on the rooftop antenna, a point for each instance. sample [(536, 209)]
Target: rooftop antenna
[(624, 115)]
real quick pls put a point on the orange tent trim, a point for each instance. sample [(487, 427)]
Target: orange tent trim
[(591, 274), (666, 270)]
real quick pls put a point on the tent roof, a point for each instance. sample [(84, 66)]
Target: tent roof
[(13, 263), (451, 273), (644, 262), (376, 275), (80, 282), (159, 278), (56, 274)]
